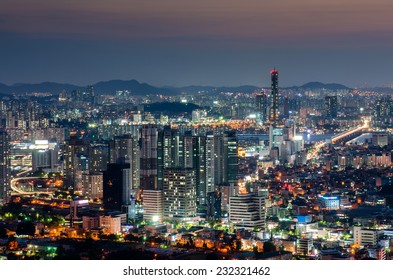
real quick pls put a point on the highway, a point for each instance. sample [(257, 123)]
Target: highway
[(20, 192), (314, 152)]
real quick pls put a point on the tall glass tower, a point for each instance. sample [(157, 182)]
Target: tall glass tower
[(275, 97), (4, 167)]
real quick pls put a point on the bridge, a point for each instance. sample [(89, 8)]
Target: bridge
[(344, 137)]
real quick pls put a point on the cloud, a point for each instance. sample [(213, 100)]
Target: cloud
[(253, 21)]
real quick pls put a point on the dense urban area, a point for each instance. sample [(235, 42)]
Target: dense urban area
[(197, 173)]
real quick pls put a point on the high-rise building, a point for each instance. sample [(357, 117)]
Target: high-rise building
[(4, 167), (214, 161), (331, 106), (45, 156), (274, 109), (98, 156), (247, 211), (199, 165), (116, 186), (179, 193), (286, 107), (75, 162), (92, 185), (262, 106), (169, 151), (148, 157), (230, 156), (90, 97), (125, 149), (214, 205), (153, 205)]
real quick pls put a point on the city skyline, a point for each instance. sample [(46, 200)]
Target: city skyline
[(264, 137), (206, 43)]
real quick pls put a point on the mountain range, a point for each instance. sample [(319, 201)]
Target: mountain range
[(137, 88)]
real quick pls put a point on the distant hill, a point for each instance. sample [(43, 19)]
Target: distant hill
[(319, 85), (107, 87), (211, 89), (4, 89), (137, 88), (133, 86)]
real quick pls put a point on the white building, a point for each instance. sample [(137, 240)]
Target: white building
[(329, 202), (247, 211), (152, 205), (363, 237)]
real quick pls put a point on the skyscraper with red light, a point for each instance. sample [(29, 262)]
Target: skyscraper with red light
[(273, 116)]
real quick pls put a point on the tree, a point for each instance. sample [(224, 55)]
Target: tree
[(3, 232), (269, 246), (25, 228)]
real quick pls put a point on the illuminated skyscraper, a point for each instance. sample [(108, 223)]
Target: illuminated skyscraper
[(231, 160), (275, 97), (148, 154), (179, 193), (125, 149), (4, 167), (262, 106), (331, 106), (76, 154), (116, 186)]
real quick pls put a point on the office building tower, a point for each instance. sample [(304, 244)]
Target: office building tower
[(286, 107), (170, 151), (90, 97), (262, 106), (214, 161), (75, 162), (5, 171), (92, 185), (247, 211), (179, 193), (199, 165), (153, 205), (188, 150), (116, 186), (214, 205), (331, 106), (148, 157), (194, 157), (98, 156), (44, 156), (231, 159), (165, 152), (274, 109), (125, 149)]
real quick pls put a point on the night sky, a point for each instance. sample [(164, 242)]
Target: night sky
[(203, 42)]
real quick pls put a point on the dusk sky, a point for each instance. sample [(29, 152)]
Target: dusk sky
[(204, 42)]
